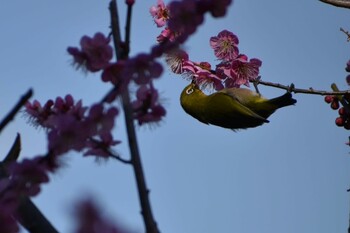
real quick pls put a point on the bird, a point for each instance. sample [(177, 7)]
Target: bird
[(231, 108)]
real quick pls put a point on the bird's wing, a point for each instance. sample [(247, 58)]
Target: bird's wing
[(244, 95), (232, 107)]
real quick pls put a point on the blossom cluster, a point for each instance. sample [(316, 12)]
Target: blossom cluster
[(87, 129), (95, 55), (234, 69), (18, 180), (181, 18), (71, 126)]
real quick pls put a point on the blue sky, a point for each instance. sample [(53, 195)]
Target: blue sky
[(290, 175)]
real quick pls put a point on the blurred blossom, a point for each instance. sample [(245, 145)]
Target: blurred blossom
[(39, 116), (8, 223), (69, 125), (101, 121), (100, 147), (184, 18), (166, 35), (160, 13), (114, 74), (347, 79), (95, 53), (142, 69), (28, 175), (91, 220), (347, 68), (217, 8), (130, 2), (147, 108), (68, 133), (225, 45)]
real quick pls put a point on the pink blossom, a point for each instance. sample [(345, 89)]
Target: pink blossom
[(101, 121), (176, 59), (100, 147), (147, 108), (202, 74), (225, 45), (68, 133), (142, 69), (40, 116), (68, 125), (95, 52), (207, 79), (160, 13), (166, 35), (239, 71)]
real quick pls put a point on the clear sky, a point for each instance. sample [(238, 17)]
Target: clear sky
[(290, 175)]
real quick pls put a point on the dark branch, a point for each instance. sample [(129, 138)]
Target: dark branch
[(122, 53), (15, 109), (291, 88), (338, 3)]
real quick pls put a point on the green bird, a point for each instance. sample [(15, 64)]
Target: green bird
[(232, 108)]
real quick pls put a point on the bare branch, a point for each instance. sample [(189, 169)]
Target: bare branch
[(291, 88), (346, 33), (122, 53), (15, 109), (338, 3)]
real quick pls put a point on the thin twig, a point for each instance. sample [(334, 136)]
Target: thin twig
[(291, 88), (122, 53), (346, 33), (338, 3), (15, 109)]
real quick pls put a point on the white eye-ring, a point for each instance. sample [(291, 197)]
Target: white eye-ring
[(189, 91)]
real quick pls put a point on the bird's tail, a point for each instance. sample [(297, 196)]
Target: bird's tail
[(283, 100)]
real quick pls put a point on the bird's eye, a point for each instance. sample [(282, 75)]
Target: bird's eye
[(189, 91)]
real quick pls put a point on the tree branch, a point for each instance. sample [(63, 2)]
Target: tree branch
[(122, 52), (15, 109), (291, 88), (338, 3)]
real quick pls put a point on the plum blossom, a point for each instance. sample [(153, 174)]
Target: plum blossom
[(166, 35), (147, 108), (100, 147), (40, 115), (95, 53), (142, 69), (176, 59), (101, 121), (160, 13), (69, 125), (240, 71), (225, 45)]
